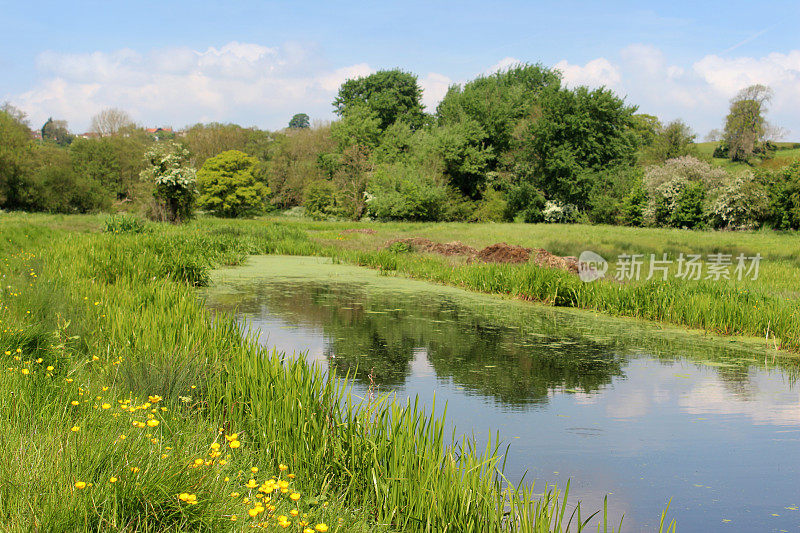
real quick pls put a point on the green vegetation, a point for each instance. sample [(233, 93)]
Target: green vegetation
[(227, 186), (103, 336)]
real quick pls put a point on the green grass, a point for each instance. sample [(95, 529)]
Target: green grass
[(783, 156), (110, 320)]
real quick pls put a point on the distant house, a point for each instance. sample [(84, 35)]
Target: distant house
[(89, 135), (161, 133)]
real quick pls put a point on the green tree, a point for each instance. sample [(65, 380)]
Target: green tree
[(579, 132), (227, 186), (391, 94), (16, 151), (208, 140), (95, 161), (300, 121), (175, 183), (745, 125), (499, 102), (676, 139), (57, 131)]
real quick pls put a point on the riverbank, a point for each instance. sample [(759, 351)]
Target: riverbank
[(143, 414)]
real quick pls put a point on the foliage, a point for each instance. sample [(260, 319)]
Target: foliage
[(123, 223), (745, 125), (57, 131), (15, 160), (556, 213), (321, 199), (499, 103), (742, 204), (174, 180), (579, 131), (227, 186), (527, 202), (402, 193), (207, 140), (294, 161), (391, 95), (669, 142), (784, 196), (299, 121)]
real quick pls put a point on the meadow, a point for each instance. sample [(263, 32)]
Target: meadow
[(126, 406)]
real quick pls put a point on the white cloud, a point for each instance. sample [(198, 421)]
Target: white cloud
[(503, 64), (595, 73), (241, 82), (434, 87)]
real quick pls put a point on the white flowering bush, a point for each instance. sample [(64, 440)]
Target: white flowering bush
[(556, 213), (681, 190), (175, 181), (742, 204)]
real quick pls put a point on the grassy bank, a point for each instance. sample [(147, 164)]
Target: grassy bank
[(124, 406)]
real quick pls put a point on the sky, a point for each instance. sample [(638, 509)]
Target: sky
[(257, 63)]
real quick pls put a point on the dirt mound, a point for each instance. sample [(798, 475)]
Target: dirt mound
[(544, 258), (504, 253), (420, 244), (367, 231)]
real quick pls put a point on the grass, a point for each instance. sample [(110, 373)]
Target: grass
[(124, 406), (785, 154)]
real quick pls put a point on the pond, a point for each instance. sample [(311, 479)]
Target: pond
[(639, 412)]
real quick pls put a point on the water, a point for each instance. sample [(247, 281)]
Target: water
[(638, 412)]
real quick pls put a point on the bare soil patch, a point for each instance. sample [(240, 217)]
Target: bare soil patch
[(421, 244)]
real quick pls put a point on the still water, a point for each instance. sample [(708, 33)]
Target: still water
[(638, 412)]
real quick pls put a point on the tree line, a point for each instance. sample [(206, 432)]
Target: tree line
[(516, 145)]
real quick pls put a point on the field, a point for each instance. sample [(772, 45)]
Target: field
[(784, 155), (126, 407)]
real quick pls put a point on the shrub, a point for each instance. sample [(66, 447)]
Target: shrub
[(321, 199), (743, 203), (227, 185), (676, 187), (525, 202), (404, 193), (557, 213), (175, 181)]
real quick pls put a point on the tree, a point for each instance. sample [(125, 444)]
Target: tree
[(579, 132), (16, 151), (676, 139), (110, 121), (227, 185), (499, 102), (391, 94), (745, 125), (56, 131), (15, 113), (299, 121), (94, 160), (208, 140), (167, 168)]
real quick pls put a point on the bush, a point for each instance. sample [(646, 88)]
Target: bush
[(404, 193), (557, 213), (175, 181), (491, 208), (525, 202), (676, 187), (321, 199), (743, 203), (227, 185)]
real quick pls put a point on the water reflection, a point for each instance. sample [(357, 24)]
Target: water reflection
[(618, 407)]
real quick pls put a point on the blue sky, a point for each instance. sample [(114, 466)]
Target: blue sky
[(257, 63)]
